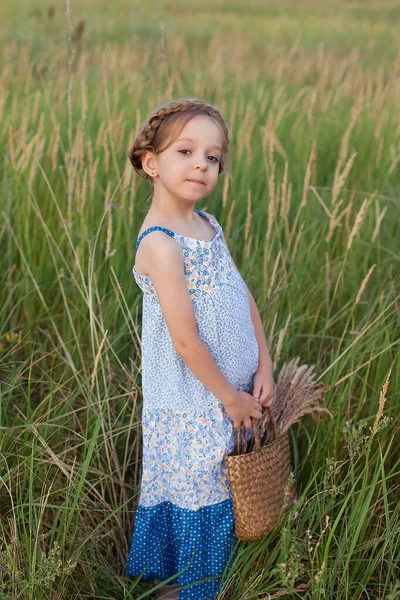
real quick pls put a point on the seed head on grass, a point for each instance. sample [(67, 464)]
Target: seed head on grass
[(382, 400)]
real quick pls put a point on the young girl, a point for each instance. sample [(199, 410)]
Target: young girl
[(203, 351)]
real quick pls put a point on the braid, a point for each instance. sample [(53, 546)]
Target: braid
[(145, 139)]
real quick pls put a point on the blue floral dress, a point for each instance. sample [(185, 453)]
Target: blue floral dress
[(184, 523)]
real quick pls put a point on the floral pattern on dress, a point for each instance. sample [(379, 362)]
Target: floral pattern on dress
[(207, 263), (184, 455)]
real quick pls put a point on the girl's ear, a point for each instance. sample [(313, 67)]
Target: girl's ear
[(148, 163)]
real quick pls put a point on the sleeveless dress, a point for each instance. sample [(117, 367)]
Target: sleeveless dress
[(184, 522)]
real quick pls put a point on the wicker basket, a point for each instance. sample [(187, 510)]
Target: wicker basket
[(258, 481)]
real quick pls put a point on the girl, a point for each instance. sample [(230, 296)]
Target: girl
[(203, 351)]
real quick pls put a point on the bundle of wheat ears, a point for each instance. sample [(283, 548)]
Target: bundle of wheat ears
[(296, 394)]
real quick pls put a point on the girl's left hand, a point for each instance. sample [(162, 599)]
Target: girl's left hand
[(263, 388)]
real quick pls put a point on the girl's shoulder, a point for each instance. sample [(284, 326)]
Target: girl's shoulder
[(147, 224), (152, 224), (158, 240)]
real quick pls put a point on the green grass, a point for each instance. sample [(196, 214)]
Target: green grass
[(285, 75)]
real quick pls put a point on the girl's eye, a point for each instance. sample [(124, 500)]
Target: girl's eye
[(185, 150)]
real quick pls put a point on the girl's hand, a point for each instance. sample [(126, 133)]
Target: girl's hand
[(241, 408), (263, 388)]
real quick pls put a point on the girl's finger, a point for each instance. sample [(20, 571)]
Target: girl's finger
[(267, 401)]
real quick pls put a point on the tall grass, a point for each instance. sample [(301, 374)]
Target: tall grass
[(310, 210)]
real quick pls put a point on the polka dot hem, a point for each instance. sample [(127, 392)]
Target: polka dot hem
[(196, 544)]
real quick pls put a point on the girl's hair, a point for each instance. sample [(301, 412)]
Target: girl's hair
[(165, 124)]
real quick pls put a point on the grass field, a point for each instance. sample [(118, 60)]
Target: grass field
[(310, 208)]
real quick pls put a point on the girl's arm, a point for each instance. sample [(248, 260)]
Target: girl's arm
[(164, 263), (265, 362)]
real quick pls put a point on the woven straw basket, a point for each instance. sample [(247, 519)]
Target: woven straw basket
[(258, 481)]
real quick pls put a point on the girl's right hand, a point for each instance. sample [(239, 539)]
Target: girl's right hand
[(242, 407)]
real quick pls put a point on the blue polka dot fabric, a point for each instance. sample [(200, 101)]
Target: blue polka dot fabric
[(184, 523), (195, 544)]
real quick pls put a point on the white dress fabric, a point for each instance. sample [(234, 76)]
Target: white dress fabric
[(184, 520)]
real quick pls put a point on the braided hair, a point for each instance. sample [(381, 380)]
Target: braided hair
[(166, 122)]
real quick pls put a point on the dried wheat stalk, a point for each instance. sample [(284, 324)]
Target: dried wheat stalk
[(296, 395)]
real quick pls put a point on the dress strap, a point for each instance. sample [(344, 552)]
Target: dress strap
[(149, 230), (158, 228)]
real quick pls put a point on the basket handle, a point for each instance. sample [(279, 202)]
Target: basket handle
[(256, 430)]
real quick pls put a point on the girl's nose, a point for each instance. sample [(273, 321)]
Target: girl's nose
[(201, 163)]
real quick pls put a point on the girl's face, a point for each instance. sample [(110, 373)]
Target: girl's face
[(186, 160)]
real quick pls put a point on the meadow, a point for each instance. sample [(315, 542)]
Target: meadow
[(310, 207)]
